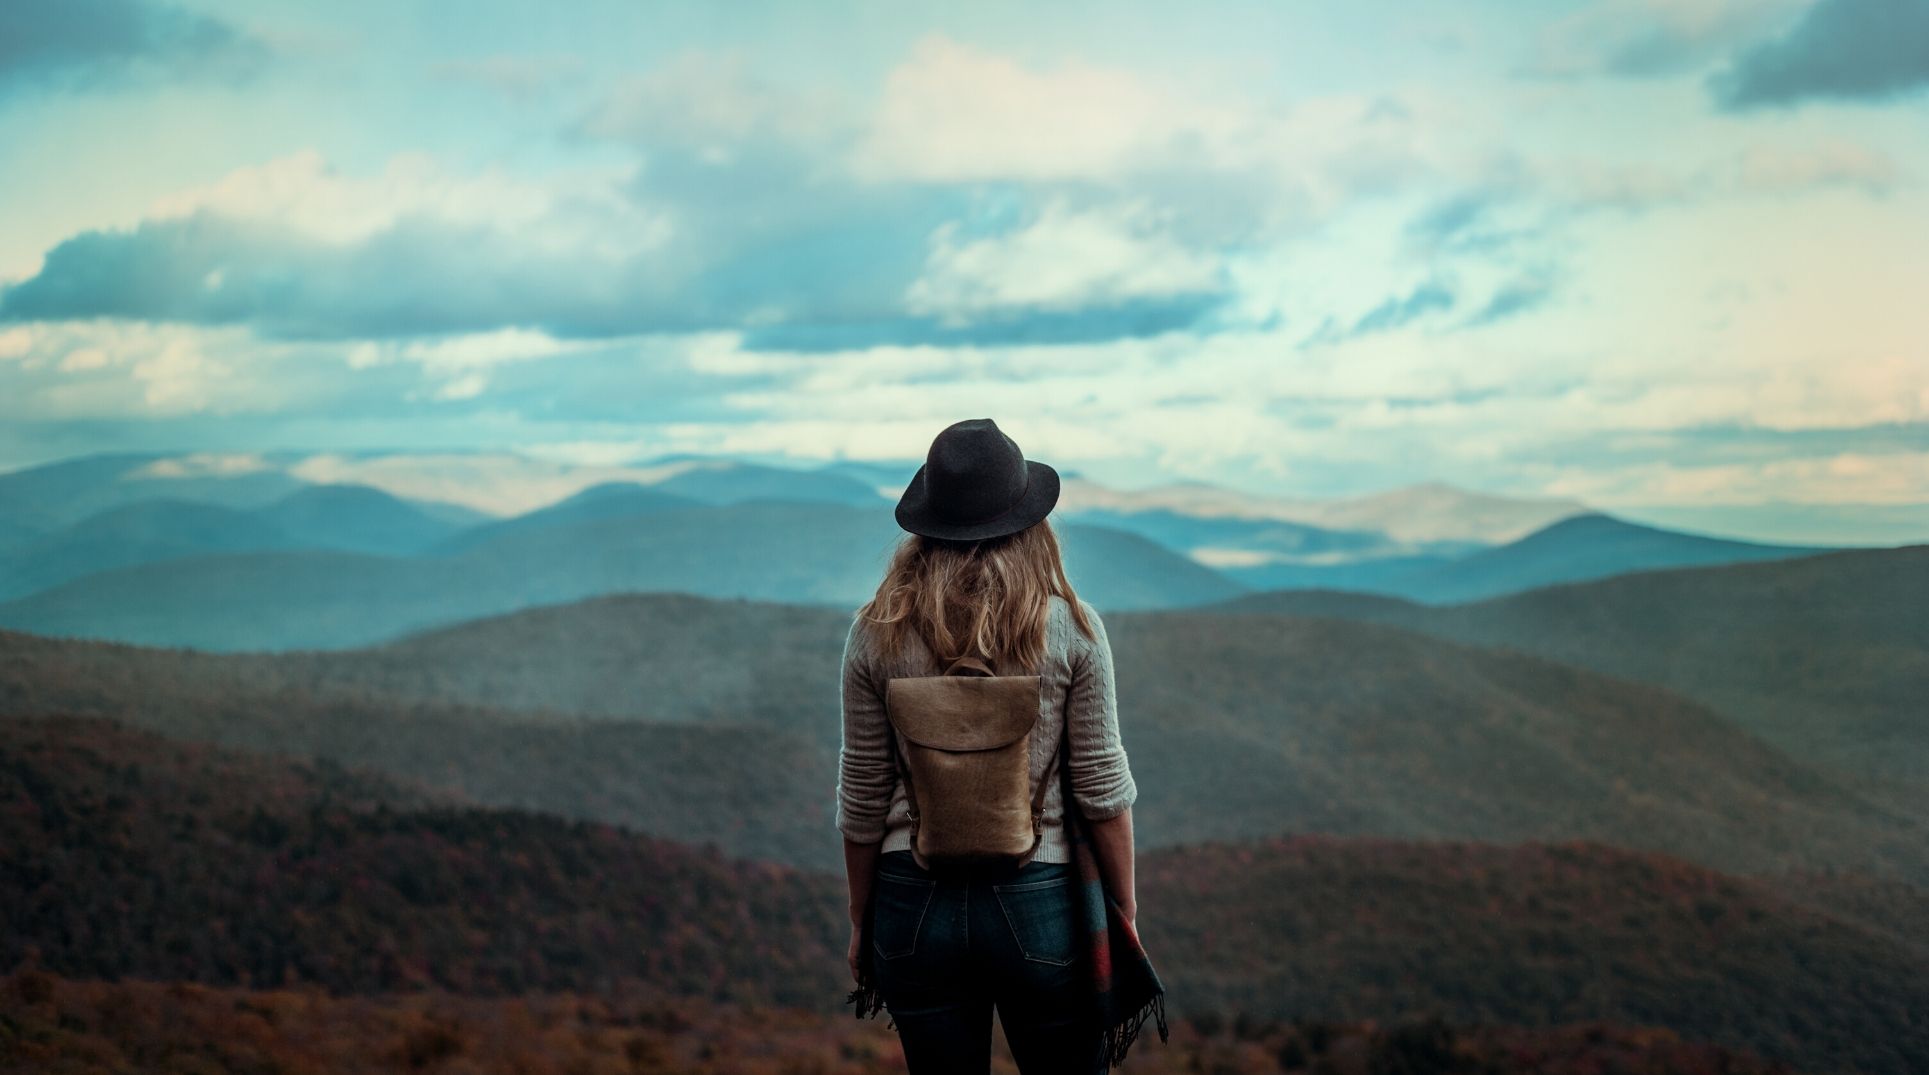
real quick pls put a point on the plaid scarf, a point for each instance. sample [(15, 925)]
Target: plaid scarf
[(1123, 989)]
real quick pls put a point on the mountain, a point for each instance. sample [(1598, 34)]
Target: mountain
[(610, 500), (351, 518), (731, 482), (145, 858), (1225, 541), (1237, 726), (143, 533), (1826, 656), (357, 518), (1412, 516), (827, 554), (56, 495), (1576, 549)]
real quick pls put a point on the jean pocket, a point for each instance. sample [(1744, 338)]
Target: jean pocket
[(1040, 915), (898, 913)]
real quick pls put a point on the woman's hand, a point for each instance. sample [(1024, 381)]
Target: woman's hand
[(850, 955)]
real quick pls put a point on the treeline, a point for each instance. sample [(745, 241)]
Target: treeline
[(55, 1026), (129, 855), (132, 856)]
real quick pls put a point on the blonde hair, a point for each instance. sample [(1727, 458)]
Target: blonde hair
[(987, 599)]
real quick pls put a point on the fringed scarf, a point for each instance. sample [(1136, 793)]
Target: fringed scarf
[(1124, 989)]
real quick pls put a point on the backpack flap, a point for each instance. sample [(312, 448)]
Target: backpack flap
[(967, 744), (962, 713)]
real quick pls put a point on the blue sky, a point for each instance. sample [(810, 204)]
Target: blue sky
[(1666, 258)]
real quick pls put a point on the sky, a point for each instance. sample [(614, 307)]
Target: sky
[(1666, 258)]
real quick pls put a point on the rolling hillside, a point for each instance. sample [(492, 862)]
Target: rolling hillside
[(1237, 726), (199, 865), (1826, 656), (180, 862)]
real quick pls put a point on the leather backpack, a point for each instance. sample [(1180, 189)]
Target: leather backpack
[(966, 764)]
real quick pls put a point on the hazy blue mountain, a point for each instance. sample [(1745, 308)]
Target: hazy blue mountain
[(141, 533), (825, 554), (356, 518), (60, 494), (1825, 655), (1581, 547), (882, 476), (1189, 534), (610, 500), (1575, 549), (1420, 517), (334, 517), (731, 482), (1378, 574)]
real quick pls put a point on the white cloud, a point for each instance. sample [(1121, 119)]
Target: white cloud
[(1767, 169), (584, 212), (467, 386), (496, 483), (1065, 259), (714, 103), (203, 464), (16, 341), (951, 113), (1838, 478)]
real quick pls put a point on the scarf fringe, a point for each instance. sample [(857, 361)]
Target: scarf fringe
[(869, 1002), (1119, 1039)]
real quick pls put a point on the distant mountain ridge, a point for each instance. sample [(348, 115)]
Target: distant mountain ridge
[(234, 539), (317, 517), (811, 553)]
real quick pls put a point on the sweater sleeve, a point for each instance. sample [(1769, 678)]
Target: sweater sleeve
[(866, 770), (1101, 775)]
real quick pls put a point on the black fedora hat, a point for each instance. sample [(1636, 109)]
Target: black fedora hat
[(976, 484)]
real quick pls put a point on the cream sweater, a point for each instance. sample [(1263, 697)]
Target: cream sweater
[(1076, 685)]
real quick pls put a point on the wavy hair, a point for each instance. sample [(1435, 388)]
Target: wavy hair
[(985, 599)]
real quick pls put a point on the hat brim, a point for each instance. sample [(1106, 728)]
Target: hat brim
[(1041, 494)]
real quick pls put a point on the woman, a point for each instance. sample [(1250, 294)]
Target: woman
[(981, 576)]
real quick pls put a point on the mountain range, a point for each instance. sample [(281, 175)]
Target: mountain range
[(640, 709), (249, 553)]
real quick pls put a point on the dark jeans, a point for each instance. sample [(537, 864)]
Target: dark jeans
[(950, 946)]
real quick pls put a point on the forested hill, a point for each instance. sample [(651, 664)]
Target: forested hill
[(133, 856)]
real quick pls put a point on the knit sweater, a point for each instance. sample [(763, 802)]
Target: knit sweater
[(1075, 685)]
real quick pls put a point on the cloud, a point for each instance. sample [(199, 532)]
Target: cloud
[(1226, 166), (691, 242), (83, 45), (1851, 50), (1397, 311), (1066, 258), (1515, 297), (1648, 38), (1766, 169)]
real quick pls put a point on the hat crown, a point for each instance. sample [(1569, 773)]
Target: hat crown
[(974, 472)]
